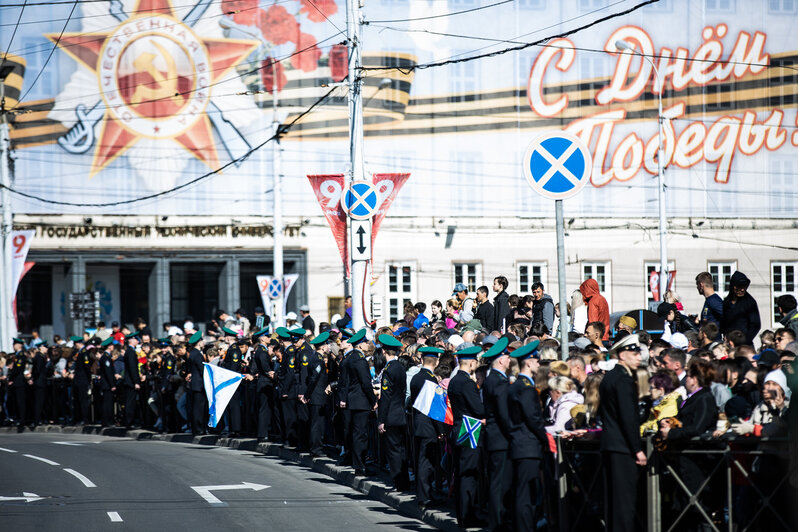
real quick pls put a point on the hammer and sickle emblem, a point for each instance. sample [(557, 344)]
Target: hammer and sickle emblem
[(165, 85)]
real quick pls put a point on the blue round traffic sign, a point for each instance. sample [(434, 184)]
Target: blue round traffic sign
[(275, 288), (557, 165), (359, 200)]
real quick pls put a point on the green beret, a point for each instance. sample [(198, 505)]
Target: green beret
[(133, 334), (298, 332), (389, 341), (283, 333), (260, 333), (469, 352), (18, 341), (429, 351), (497, 349), (196, 337), (526, 351), (75, 338), (229, 332), (357, 337), (321, 338), (108, 341)]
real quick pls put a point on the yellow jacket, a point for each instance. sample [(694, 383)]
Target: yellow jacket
[(668, 407)]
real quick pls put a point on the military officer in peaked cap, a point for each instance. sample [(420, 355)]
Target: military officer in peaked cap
[(304, 354), (196, 383), (360, 400), (391, 420), (131, 380), (426, 431), (317, 390), (233, 361), (16, 379), (107, 382), (287, 378), (165, 383), (262, 370)]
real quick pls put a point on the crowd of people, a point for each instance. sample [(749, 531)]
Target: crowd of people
[(351, 394)]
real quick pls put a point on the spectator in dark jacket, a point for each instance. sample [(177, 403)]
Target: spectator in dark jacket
[(501, 305), (485, 312), (740, 311)]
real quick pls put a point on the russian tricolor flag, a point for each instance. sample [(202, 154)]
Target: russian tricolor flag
[(433, 402)]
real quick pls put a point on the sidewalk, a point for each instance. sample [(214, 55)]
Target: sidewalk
[(375, 488)]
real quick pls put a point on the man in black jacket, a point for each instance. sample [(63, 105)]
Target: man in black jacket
[(131, 379), (740, 310), (497, 434), (465, 401), (17, 378), (426, 431), (501, 304), (166, 389), (360, 401), (107, 382), (485, 312), (196, 384), (81, 382), (620, 440), (527, 435), (287, 379), (233, 361), (39, 382), (391, 419), (262, 371), (316, 391)]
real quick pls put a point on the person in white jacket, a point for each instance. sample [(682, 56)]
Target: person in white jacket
[(563, 398), (578, 312)]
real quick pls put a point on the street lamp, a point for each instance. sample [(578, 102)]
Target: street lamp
[(663, 224)]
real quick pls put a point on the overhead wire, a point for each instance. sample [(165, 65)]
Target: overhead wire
[(13, 34), (442, 15)]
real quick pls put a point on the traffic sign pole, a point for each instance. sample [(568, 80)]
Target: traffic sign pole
[(564, 325)]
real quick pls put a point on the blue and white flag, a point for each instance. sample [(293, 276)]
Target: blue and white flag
[(220, 385), (433, 402)]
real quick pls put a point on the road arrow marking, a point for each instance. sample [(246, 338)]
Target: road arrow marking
[(205, 491), (27, 497)]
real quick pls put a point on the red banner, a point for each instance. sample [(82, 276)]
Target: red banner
[(388, 186), (328, 190)]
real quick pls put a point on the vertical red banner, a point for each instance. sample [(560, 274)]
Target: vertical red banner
[(388, 186), (328, 190)]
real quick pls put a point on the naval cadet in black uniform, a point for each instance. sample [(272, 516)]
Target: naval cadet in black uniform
[(465, 401), (107, 382), (167, 381), (317, 391), (233, 361), (17, 378), (196, 383), (497, 435), (81, 382), (360, 401), (304, 353), (391, 419), (527, 435), (131, 378), (287, 379), (39, 381), (426, 431), (262, 371), (343, 391)]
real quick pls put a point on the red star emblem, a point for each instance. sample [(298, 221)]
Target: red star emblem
[(155, 77)]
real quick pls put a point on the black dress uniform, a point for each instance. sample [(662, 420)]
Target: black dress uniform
[(360, 400), (197, 387), (81, 384), (130, 379), (620, 442), (304, 355), (260, 367), (233, 362), (287, 378), (343, 393), (465, 400), (39, 378), (166, 392), (16, 381), (391, 413), (497, 434), (426, 432), (527, 441), (317, 400), (107, 388)]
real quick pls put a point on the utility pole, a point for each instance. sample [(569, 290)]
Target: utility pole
[(361, 297), (7, 321), (277, 168)]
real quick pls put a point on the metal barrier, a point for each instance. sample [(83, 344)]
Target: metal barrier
[(735, 484)]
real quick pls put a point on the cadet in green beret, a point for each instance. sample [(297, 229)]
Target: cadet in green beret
[(391, 419), (317, 390)]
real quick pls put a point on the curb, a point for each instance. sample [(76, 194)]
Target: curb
[(374, 488)]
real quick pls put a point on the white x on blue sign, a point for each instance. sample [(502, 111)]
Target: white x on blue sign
[(557, 165), (360, 200), (275, 288)]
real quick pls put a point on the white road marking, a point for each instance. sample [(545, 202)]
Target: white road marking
[(73, 443), (27, 497), (114, 517), (205, 491), (86, 482), (7, 450), (40, 459)]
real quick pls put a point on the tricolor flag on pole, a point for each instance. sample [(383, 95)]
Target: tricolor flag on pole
[(433, 402), (220, 385), (469, 432)]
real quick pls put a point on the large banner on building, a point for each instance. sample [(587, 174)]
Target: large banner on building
[(158, 107)]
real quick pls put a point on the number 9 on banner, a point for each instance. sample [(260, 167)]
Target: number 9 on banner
[(19, 243)]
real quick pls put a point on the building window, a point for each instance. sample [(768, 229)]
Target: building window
[(652, 266), (194, 290), (594, 67), (36, 51), (782, 177), (470, 274), (600, 271), (717, 97), (401, 278), (462, 76), (783, 281), (721, 276), (530, 273), (592, 5), (723, 6), (783, 6), (466, 181)]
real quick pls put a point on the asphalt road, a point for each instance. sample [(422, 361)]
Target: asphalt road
[(99, 483)]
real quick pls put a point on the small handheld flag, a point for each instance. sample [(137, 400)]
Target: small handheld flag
[(220, 385), (469, 432), (433, 402)]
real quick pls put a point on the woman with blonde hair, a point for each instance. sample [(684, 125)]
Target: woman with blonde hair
[(578, 312), (564, 397)]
